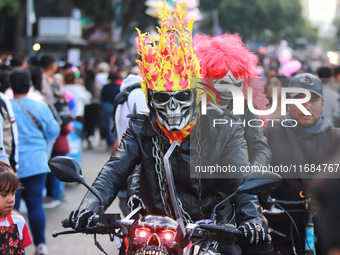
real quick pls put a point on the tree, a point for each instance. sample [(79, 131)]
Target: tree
[(250, 18), (105, 11), (11, 5), (303, 30), (336, 23), (17, 10), (100, 11)]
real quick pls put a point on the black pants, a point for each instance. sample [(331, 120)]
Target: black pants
[(92, 118), (229, 249)]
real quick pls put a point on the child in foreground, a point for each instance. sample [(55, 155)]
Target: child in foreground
[(14, 234)]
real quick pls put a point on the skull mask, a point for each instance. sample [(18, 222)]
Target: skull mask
[(175, 109), (155, 235), (229, 79)]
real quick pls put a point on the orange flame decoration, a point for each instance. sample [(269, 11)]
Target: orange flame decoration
[(170, 63)]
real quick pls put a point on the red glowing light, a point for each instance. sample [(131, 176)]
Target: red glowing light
[(168, 235), (143, 232)]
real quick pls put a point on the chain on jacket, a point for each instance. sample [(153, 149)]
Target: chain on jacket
[(198, 163), (158, 153)]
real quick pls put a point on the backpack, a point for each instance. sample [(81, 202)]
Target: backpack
[(121, 98), (8, 140), (7, 131)]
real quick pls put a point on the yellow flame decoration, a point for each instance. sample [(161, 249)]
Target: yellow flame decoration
[(169, 64)]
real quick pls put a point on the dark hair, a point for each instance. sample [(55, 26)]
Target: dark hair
[(69, 78), (36, 76), (325, 73), (112, 77), (336, 70), (4, 81), (20, 80), (46, 61), (282, 78), (8, 180), (272, 69), (67, 66), (34, 61), (16, 62)]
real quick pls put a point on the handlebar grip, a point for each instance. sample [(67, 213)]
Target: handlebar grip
[(67, 223)]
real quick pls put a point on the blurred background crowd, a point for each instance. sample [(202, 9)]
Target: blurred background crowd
[(76, 54)]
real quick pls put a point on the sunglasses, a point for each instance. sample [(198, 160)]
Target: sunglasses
[(161, 97)]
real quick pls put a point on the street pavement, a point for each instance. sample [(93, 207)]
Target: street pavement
[(75, 244)]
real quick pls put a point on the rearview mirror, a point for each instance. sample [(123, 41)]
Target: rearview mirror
[(66, 169), (260, 183)]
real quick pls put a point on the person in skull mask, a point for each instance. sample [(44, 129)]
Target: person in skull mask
[(224, 60), (168, 70)]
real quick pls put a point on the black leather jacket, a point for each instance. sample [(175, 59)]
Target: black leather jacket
[(259, 152), (221, 144), (258, 148)]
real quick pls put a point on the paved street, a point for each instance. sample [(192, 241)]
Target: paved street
[(77, 243)]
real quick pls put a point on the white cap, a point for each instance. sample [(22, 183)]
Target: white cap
[(132, 79), (103, 66)]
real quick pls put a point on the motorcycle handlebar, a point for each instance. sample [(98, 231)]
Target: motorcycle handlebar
[(67, 223), (273, 201), (221, 229)]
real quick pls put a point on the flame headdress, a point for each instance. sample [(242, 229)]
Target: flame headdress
[(169, 63)]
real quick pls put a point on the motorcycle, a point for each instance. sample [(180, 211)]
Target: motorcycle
[(310, 238), (159, 235)]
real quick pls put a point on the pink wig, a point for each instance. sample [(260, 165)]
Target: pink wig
[(219, 54)]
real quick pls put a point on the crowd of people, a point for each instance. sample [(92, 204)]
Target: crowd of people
[(48, 110)]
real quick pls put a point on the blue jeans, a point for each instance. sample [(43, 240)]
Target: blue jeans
[(55, 188), (107, 120), (32, 193)]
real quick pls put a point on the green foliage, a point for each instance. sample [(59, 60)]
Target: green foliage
[(303, 30), (250, 18), (245, 17), (208, 5), (11, 6), (126, 12), (336, 23), (98, 10)]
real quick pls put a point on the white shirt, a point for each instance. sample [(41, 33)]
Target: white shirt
[(102, 78), (81, 97), (137, 97)]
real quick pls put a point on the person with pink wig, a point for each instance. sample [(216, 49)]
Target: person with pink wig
[(225, 60)]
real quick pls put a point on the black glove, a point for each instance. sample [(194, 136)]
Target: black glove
[(81, 218), (254, 233), (263, 200)]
